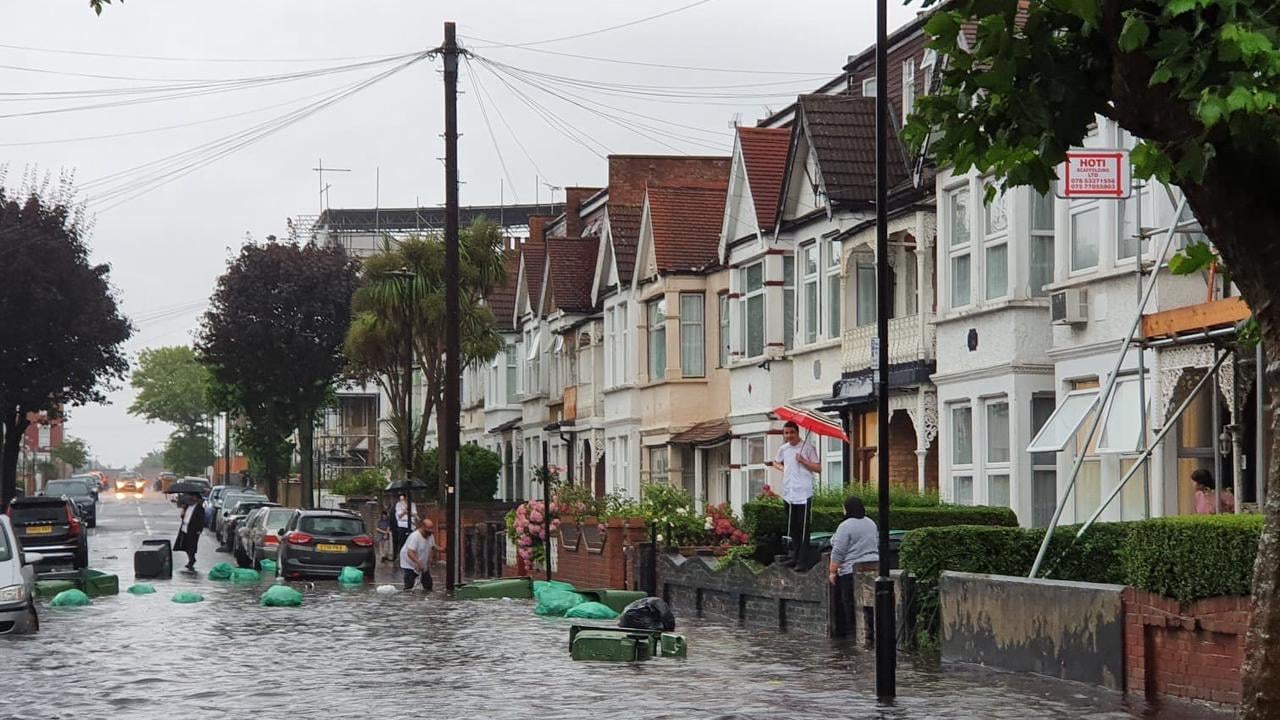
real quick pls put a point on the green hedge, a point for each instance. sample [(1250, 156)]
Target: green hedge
[(1185, 558), (1190, 558), (763, 518)]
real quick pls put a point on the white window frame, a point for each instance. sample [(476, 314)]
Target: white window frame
[(1078, 209), (869, 87), (696, 330), (961, 469), (865, 313), (994, 238), (811, 317), (1038, 235), (726, 332), (908, 88), (610, 335), (1047, 440), (748, 295), (655, 314), (833, 463), (956, 250), (788, 301), (993, 467), (1119, 414), (754, 469), (830, 311)]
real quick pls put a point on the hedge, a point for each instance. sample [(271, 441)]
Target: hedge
[(762, 518), (1188, 558)]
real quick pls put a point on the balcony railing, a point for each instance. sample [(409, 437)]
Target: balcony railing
[(907, 342)]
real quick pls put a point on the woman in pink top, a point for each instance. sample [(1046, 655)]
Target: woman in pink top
[(1204, 494)]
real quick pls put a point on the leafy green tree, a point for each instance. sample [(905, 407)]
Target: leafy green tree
[(73, 452), (401, 302), (62, 334), (189, 451), (272, 339), (363, 483), (151, 463), (1198, 81), (479, 469)]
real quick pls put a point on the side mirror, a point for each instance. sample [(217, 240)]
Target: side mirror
[(32, 558), (281, 533)]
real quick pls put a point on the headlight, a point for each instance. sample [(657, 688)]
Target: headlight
[(13, 594)]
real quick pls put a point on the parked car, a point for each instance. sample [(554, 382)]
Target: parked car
[(81, 490), (319, 543), (131, 482), (256, 538), (51, 527), (17, 584), (227, 503), (234, 516), (211, 502)]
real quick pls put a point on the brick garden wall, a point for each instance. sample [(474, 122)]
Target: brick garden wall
[(588, 558), (1192, 652)]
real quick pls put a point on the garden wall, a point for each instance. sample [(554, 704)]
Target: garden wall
[(586, 557), (1061, 629), (1192, 651), (775, 598)]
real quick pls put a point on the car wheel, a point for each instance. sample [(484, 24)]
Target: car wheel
[(242, 558), (93, 522), (32, 616)]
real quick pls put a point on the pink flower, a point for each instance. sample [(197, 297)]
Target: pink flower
[(554, 506), (555, 524), (602, 527), (536, 516), (525, 554), (521, 524), (522, 510), (525, 541), (534, 528)]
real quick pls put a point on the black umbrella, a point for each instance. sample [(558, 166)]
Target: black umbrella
[(185, 486), (406, 486)]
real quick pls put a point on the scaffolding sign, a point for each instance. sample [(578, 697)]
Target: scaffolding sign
[(1094, 173)]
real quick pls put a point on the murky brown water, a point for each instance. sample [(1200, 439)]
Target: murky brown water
[(354, 653)]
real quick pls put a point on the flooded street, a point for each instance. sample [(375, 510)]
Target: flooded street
[(354, 653)]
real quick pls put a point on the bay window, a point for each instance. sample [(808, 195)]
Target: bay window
[(753, 310), (692, 336), (722, 306), (1042, 243), (657, 329), (809, 278), (962, 453), (834, 251), (958, 216), (996, 248), (1086, 230), (788, 301), (997, 452)]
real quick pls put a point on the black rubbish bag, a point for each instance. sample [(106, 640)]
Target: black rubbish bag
[(649, 613)]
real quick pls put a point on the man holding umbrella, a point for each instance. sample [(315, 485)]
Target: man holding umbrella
[(797, 461)]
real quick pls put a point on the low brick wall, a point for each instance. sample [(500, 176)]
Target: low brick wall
[(586, 557), (1066, 630), (1191, 652), (777, 598)]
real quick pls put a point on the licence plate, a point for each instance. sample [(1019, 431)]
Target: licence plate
[(331, 548), (40, 530)]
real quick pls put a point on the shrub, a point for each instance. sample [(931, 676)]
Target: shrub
[(365, 483), (479, 469), (898, 496), (1191, 558), (768, 519)]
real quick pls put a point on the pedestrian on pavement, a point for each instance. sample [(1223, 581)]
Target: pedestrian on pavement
[(192, 524), (798, 461), (854, 544), (415, 556), (1203, 480), (406, 519), (384, 536)]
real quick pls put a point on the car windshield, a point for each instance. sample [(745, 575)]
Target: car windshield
[(278, 519), (6, 548), (245, 506), (40, 512), (58, 488), (332, 526)]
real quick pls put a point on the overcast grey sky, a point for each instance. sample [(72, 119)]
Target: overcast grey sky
[(168, 246)]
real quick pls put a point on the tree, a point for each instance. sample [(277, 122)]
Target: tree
[(479, 469), (173, 387), (151, 463), (272, 339), (189, 451), (73, 452), (60, 342), (402, 300), (1198, 81)]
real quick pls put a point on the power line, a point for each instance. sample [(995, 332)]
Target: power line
[(475, 77), (488, 126), (611, 28), (58, 51), (664, 66), (553, 121)]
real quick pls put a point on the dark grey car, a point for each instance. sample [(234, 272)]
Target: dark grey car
[(260, 539), (319, 543), (50, 526), (81, 490)]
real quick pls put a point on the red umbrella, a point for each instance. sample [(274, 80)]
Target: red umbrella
[(811, 420)]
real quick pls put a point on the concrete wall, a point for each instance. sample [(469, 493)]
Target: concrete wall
[(1065, 630), (776, 598)]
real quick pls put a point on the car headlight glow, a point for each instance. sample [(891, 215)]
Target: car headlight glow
[(13, 594)]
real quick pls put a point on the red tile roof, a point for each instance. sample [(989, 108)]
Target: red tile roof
[(534, 252), (686, 225), (571, 265), (502, 299), (764, 152), (624, 224)]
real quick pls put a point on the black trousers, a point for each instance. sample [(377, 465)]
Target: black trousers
[(842, 607), (798, 527), (411, 576)]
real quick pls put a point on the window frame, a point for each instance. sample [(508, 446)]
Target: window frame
[(993, 468), (1103, 444), (725, 320), (788, 301), (656, 337), (959, 251), (1077, 210), (754, 469), (865, 317), (832, 292), (1037, 236), (810, 283), (869, 83), (965, 469), (1068, 437), (748, 296), (994, 239), (512, 374), (700, 335), (908, 88)]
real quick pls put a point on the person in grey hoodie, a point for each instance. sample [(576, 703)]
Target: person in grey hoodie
[(855, 542)]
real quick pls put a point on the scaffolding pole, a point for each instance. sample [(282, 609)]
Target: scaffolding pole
[(1111, 385)]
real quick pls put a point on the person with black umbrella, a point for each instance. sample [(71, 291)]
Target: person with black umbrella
[(192, 524), (406, 519)]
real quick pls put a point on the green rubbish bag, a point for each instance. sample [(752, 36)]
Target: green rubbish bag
[(245, 575), (556, 602), (71, 598), (268, 567), (281, 596), (186, 597), (543, 585), (591, 611), (221, 571), (351, 576), (141, 589)]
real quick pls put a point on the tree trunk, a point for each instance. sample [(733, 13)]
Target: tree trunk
[(15, 425), (306, 452)]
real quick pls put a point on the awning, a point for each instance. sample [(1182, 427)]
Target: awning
[(710, 432), (506, 426)]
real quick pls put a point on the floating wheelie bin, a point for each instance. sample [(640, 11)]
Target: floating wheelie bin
[(514, 587)]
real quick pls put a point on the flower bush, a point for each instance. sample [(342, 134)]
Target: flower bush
[(677, 521), (767, 493), (529, 525)]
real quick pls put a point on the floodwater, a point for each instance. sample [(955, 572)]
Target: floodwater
[(358, 654)]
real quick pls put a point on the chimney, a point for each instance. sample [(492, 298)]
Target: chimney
[(573, 199)]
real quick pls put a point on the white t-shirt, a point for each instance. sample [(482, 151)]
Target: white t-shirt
[(797, 480), (404, 521), (422, 546), (186, 516)]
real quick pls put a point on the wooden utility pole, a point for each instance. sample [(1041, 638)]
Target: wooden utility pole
[(453, 350)]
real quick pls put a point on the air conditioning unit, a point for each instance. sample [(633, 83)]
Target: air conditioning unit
[(1069, 307)]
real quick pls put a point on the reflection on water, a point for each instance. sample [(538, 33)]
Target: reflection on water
[(354, 653)]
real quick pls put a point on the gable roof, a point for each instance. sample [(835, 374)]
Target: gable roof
[(571, 264), (624, 227), (502, 299), (841, 131), (764, 153), (685, 223), (532, 256)]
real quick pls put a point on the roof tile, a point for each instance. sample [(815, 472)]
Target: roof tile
[(841, 129), (571, 267), (764, 152), (686, 225), (502, 299)]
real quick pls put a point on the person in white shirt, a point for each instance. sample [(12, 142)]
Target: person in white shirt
[(855, 543), (406, 519), (415, 556), (798, 462)]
